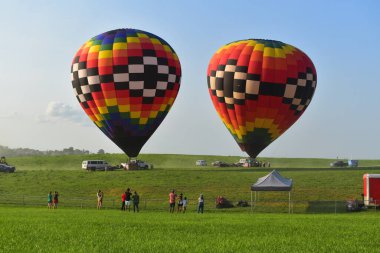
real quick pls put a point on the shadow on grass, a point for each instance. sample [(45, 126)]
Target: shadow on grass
[(326, 207)]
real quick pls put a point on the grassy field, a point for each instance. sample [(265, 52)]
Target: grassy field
[(77, 230), (314, 181), (164, 161), (27, 226)]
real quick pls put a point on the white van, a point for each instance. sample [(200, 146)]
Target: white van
[(95, 165), (201, 163)]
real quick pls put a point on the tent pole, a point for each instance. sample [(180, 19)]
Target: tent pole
[(251, 202), (255, 198), (289, 201)]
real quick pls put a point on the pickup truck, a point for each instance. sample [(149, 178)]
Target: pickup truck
[(135, 165)]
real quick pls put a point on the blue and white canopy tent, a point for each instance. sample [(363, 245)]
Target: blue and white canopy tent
[(271, 182)]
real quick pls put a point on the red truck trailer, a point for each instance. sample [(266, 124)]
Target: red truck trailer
[(371, 185)]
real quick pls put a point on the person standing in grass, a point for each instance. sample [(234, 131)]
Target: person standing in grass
[(201, 203), (180, 203), (172, 197), (99, 194), (128, 198), (184, 204), (123, 197), (50, 200), (55, 200), (136, 201)]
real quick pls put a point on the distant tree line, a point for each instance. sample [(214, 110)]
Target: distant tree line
[(9, 152)]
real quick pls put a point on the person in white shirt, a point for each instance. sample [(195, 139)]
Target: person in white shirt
[(201, 203), (184, 204)]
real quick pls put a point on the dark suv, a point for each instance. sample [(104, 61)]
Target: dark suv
[(339, 164), (7, 168)]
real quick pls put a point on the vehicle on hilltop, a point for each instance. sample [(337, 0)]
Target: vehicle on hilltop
[(247, 162), (134, 164), (339, 163), (5, 167), (201, 163), (220, 164), (94, 165)]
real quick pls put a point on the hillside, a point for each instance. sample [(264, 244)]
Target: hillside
[(165, 161), (314, 181)]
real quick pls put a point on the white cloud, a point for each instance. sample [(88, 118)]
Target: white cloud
[(57, 111)]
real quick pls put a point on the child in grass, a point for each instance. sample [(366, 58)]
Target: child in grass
[(123, 196), (180, 203), (99, 194), (184, 204), (50, 200), (55, 200)]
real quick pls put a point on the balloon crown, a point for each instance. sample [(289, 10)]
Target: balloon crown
[(266, 42)]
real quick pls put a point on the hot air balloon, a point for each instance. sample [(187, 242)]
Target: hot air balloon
[(259, 88), (126, 81)]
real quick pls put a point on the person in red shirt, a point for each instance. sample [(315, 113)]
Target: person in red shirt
[(172, 197), (123, 197), (55, 200)]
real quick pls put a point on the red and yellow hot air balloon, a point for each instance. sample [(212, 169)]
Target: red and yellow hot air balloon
[(259, 89), (126, 81)]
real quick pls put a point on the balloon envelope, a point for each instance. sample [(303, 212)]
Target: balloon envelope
[(259, 89), (126, 81)]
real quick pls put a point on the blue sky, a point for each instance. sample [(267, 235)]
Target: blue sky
[(39, 39)]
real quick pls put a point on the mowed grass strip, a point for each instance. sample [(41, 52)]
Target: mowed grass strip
[(77, 230)]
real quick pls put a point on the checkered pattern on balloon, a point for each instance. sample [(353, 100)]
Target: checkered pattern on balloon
[(126, 81), (259, 89)]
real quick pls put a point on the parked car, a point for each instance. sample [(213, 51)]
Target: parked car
[(353, 163), (201, 163), (96, 165), (220, 164), (7, 168), (339, 163), (247, 162), (136, 165)]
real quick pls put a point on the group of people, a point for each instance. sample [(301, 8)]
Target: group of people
[(183, 202), (53, 200), (127, 198)]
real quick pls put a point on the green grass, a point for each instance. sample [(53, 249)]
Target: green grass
[(77, 230), (164, 161), (36, 176), (317, 189)]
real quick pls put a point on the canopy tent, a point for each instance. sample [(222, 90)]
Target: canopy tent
[(272, 182)]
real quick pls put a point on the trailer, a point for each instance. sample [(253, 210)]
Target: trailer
[(371, 189)]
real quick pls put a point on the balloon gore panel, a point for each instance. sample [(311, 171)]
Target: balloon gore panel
[(126, 81)]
